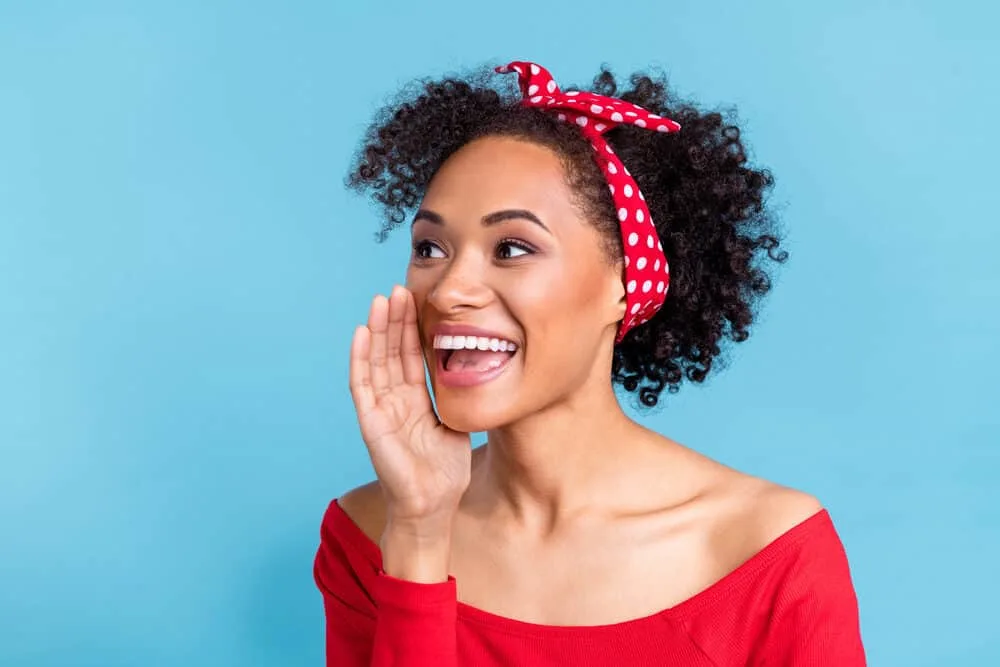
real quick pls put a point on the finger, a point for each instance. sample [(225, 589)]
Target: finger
[(360, 376), (413, 355), (394, 336), (378, 322)]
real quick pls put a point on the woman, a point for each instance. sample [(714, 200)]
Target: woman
[(549, 229)]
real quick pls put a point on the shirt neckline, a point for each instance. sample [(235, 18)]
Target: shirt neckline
[(707, 596)]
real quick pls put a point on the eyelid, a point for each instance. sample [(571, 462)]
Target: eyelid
[(417, 244), (528, 248)]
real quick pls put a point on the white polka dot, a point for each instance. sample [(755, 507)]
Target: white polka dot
[(662, 128), (612, 168), (648, 285), (650, 241), (536, 99), (627, 190), (532, 89), (551, 102), (633, 238), (640, 122), (654, 116), (596, 108), (659, 245), (534, 69), (561, 116), (517, 68), (656, 265), (641, 196), (627, 172), (635, 308), (660, 286), (626, 261), (551, 86), (572, 93), (608, 148), (631, 286), (617, 117), (641, 263), (640, 216), (581, 121), (600, 127), (611, 187), (622, 214), (631, 113)]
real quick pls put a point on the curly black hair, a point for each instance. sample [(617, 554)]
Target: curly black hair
[(707, 202)]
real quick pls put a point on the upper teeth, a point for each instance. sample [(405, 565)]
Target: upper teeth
[(473, 343)]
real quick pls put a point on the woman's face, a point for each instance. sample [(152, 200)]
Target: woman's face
[(503, 260)]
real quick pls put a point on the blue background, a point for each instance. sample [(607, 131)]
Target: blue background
[(181, 270)]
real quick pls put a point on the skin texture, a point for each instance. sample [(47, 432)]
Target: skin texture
[(549, 289), (566, 476)]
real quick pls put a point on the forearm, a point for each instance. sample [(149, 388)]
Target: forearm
[(416, 598)]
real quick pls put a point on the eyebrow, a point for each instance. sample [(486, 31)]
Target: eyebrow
[(489, 219)]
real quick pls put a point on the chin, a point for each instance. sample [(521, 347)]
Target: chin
[(461, 410)]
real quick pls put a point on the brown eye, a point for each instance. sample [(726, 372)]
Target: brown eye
[(512, 249), (427, 250)]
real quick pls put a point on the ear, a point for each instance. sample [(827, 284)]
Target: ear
[(619, 299)]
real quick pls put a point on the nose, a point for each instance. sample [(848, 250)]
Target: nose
[(460, 286)]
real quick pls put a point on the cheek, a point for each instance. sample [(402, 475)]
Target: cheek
[(566, 309), (418, 284)]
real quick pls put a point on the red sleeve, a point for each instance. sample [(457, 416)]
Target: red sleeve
[(814, 621), (374, 620)]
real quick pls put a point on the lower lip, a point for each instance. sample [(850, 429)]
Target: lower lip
[(466, 378)]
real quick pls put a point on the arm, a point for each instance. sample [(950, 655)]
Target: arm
[(397, 610), (414, 626), (416, 599), (815, 620)]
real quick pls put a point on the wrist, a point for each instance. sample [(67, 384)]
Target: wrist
[(416, 553)]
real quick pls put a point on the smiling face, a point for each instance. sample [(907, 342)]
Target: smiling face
[(504, 262)]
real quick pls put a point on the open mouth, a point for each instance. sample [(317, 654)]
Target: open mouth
[(472, 359)]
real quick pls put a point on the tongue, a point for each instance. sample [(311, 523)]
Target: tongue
[(475, 360)]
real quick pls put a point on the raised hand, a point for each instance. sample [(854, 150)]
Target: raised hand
[(422, 465)]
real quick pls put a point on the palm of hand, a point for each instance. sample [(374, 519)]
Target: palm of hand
[(423, 466)]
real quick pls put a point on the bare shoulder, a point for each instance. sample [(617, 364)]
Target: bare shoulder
[(778, 509), (766, 510), (365, 505), (745, 514)]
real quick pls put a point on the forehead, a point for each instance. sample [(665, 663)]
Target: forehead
[(495, 173)]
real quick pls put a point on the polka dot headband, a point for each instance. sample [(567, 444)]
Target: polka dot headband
[(647, 275)]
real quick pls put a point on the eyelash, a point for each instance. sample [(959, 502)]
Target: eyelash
[(516, 243)]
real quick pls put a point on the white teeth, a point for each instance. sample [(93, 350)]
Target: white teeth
[(473, 343)]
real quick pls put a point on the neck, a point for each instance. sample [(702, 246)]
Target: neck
[(561, 461)]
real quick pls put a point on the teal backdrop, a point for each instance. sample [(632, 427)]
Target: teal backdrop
[(181, 270)]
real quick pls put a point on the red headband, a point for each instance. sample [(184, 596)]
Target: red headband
[(647, 275)]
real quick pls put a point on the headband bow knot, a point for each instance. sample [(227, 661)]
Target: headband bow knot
[(647, 274)]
